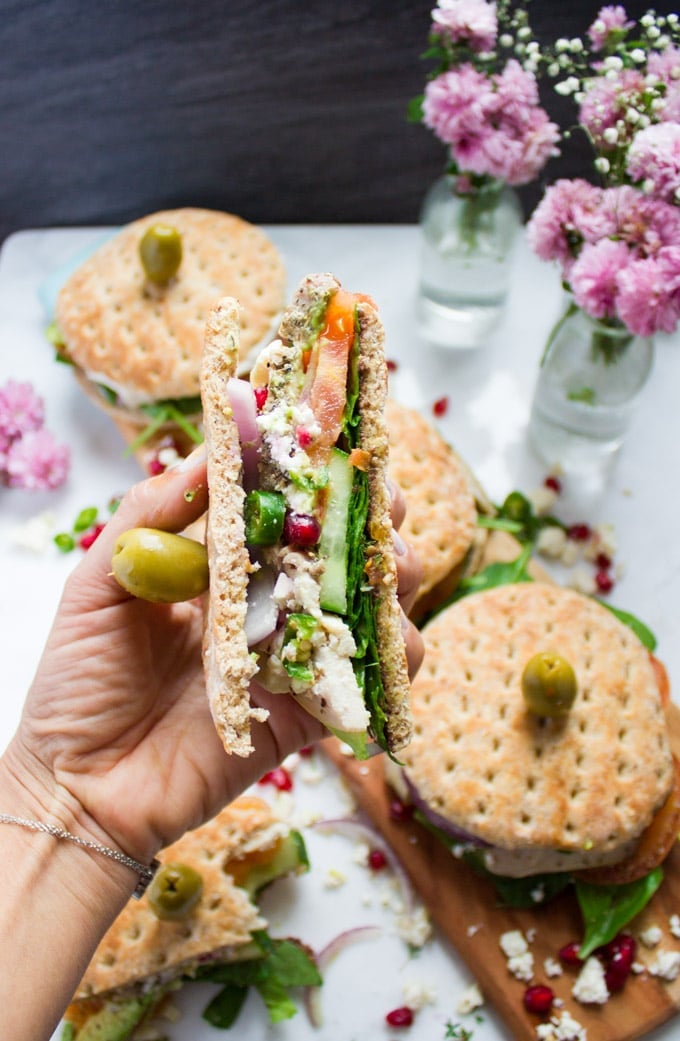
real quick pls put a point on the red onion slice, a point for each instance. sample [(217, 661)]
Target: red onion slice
[(263, 611), (353, 828), (312, 995), (448, 827), (242, 400)]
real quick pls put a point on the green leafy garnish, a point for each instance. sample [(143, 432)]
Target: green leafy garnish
[(643, 633), (283, 964), (607, 909), (171, 411), (296, 648), (358, 742)]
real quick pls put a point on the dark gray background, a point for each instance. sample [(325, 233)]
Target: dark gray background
[(277, 110)]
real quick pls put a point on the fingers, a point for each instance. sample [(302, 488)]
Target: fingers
[(398, 502), (171, 502), (409, 572), (415, 648)]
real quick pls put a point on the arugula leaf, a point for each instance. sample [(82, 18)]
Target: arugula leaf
[(358, 742), (607, 909)]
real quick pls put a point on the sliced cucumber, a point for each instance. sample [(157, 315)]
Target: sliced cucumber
[(333, 542), (290, 859)]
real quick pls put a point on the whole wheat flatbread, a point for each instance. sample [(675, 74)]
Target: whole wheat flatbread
[(442, 500), (224, 644), (227, 662), (587, 784), (139, 945), (147, 340)]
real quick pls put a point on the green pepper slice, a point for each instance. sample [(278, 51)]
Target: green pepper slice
[(264, 514)]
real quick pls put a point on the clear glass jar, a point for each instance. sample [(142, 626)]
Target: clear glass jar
[(467, 245), (591, 375)]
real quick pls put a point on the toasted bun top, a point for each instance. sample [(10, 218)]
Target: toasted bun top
[(145, 341), (139, 944), (227, 663), (441, 513), (590, 781)]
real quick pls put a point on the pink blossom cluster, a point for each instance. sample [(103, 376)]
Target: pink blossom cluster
[(472, 23), (611, 21), (492, 124), (618, 250), (30, 457)]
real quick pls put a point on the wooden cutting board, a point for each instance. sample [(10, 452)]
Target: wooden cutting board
[(464, 908)]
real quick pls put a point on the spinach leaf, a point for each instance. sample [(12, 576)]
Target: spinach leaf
[(223, 1011), (607, 909), (643, 633)]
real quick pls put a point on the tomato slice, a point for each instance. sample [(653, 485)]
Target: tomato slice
[(326, 390)]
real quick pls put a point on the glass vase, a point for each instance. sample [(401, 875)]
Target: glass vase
[(591, 375), (467, 242)]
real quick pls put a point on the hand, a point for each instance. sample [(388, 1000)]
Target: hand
[(117, 720)]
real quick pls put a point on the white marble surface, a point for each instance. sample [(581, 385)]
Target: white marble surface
[(489, 392)]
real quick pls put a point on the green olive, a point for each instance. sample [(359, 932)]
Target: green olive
[(549, 684), (159, 566), (516, 507), (175, 890), (160, 251)]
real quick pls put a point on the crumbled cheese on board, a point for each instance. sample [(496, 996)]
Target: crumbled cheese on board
[(519, 958), (590, 987), (561, 1028), (418, 994), (552, 968), (666, 966), (651, 936), (674, 925), (415, 928)]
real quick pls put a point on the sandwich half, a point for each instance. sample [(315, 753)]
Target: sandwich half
[(303, 581), (223, 938)]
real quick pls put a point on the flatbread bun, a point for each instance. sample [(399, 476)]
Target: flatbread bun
[(587, 784), (443, 499), (145, 341), (227, 662), (139, 944)]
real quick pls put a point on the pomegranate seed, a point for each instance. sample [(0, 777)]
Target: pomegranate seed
[(400, 1017), (306, 751), (391, 365), (304, 438), (301, 529), (579, 532), (279, 777), (377, 860), (401, 811), (538, 998), (553, 483), (155, 467), (616, 973), (603, 561), (623, 945), (604, 582), (260, 397), (90, 536), (568, 954), (441, 406)]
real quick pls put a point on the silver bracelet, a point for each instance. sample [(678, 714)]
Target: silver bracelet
[(145, 871)]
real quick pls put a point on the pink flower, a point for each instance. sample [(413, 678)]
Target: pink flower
[(472, 22), (609, 20), (568, 215), (493, 126), (593, 276), (649, 293), (606, 102), (654, 159), (36, 462), (646, 224), (21, 409)]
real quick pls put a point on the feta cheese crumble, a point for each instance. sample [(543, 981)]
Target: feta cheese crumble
[(520, 960), (470, 999), (561, 1028), (666, 966), (590, 987)]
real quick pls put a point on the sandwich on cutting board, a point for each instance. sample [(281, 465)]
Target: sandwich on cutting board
[(131, 318), (198, 921), (541, 752), (303, 582)]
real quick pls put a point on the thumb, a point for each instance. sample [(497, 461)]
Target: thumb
[(171, 502)]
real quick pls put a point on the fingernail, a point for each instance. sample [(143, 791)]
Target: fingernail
[(405, 623), (400, 547), (391, 488), (193, 459)]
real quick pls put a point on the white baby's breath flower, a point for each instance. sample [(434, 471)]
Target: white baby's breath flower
[(611, 135)]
